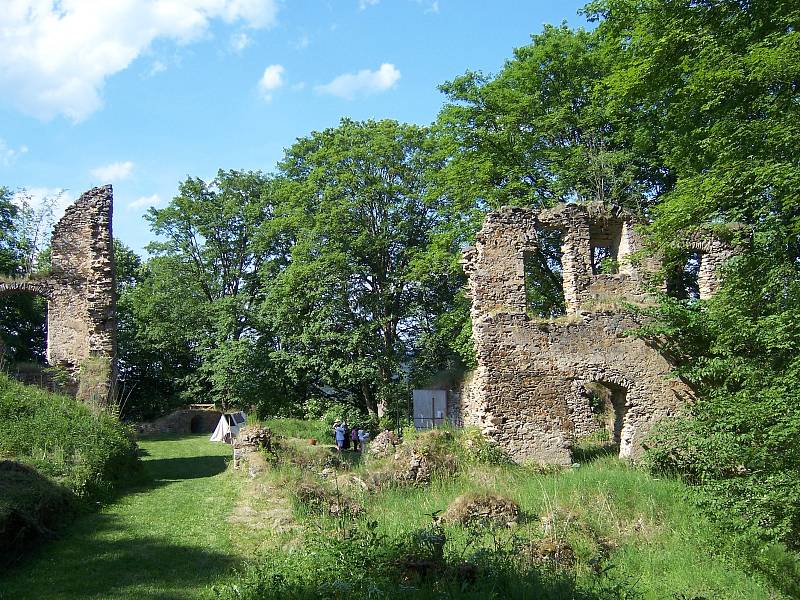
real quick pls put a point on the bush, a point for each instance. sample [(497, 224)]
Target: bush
[(739, 443), (478, 448)]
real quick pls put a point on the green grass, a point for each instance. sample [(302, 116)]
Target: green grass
[(63, 439), (660, 543), (299, 428), (169, 538), (165, 540), (642, 532)]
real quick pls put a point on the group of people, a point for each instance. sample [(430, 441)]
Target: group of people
[(347, 437)]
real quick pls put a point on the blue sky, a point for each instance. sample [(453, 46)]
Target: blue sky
[(142, 93)]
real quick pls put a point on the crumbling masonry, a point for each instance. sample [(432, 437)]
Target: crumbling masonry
[(536, 379), (80, 286)]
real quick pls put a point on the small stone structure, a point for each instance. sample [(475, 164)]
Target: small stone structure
[(195, 418), (80, 286), (537, 380)]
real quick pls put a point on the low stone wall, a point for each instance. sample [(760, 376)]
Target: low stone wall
[(183, 421)]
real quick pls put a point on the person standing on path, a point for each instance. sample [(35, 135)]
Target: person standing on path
[(354, 439)]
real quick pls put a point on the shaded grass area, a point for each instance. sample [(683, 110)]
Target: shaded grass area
[(57, 456), (166, 539)]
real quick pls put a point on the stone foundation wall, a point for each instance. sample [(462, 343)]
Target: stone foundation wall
[(180, 422)]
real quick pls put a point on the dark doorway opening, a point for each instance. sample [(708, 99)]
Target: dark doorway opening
[(196, 425), (607, 402)]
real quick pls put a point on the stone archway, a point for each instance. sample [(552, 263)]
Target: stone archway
[(79, 289), (601, 407)]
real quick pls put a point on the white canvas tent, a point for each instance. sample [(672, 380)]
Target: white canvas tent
[(228, 427)]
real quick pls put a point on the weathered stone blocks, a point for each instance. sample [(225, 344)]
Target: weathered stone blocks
[(81, 323), (531, 390)]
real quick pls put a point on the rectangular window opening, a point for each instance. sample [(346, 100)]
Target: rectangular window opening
[(544, 283)]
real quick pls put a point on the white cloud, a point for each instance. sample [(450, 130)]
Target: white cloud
[(36, 197), (240, 41), (433, 8), (363, 4), (8, 155), (156, 68), (271, 80), (113, 172), (55, 55), (145, 202), (349, 85)]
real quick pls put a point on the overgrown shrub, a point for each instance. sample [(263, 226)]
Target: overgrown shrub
[(478, 448), (365, 563), (739, 443), (61, 454)]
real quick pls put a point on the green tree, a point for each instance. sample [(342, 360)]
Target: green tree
[(711, 93), (24, 252), (200, 293), (535, 134), (367, 272)]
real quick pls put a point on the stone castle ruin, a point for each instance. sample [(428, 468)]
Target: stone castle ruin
[(79, 288), (539, 381)]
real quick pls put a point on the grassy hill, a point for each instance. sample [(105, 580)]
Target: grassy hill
[(56, 456)]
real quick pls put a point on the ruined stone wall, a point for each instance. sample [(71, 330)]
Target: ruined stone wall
[(183, 421), (714, 250), (80, 287), (529, 391), (584, 227), (80, 318)]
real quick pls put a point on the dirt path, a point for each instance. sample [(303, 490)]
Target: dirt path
[(167, 541)]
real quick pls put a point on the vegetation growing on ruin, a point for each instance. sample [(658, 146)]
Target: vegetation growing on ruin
[(601, 530), (334, 284)]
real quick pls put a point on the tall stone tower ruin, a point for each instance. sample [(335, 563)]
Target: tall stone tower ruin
[(79, 289)]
